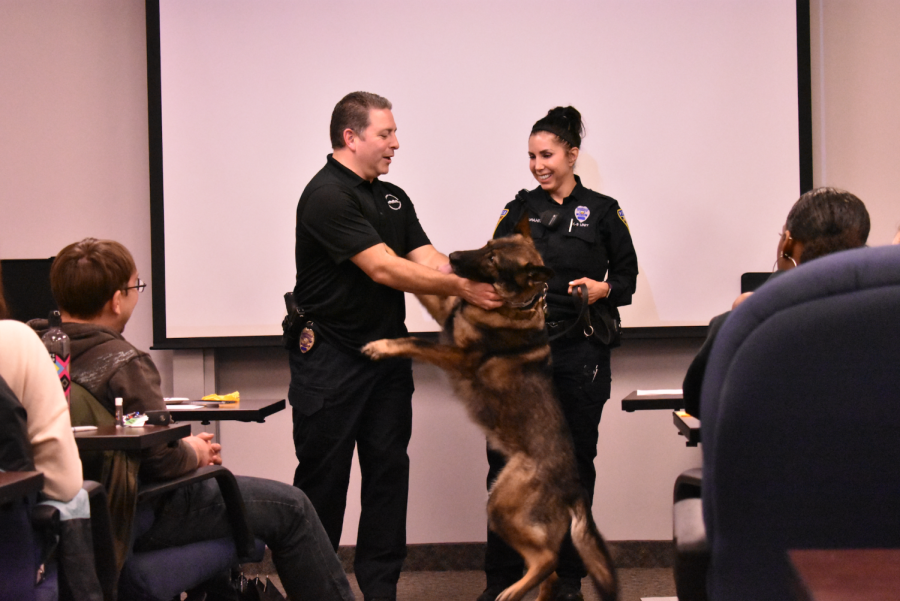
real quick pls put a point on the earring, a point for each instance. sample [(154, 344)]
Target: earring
[(783, 256)]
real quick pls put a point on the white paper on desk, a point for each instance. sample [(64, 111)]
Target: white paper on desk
[(660, 391), (180, 407), (178, 399)]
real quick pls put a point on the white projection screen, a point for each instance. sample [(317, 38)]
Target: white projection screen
[(691, 109)]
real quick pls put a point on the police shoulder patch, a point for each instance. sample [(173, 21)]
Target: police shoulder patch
[(503, 214), (621, 215)]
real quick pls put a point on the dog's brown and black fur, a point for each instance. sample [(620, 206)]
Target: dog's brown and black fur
[(499, 362)]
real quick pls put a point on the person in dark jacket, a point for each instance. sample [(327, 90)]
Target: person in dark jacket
[(96, 285)]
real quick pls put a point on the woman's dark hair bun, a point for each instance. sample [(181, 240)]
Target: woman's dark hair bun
[(565, 122)]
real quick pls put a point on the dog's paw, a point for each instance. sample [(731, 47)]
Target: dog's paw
[(378, 349)]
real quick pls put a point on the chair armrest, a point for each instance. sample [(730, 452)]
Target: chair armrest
[(691, 549), (231, 494), (15, 485), (688, 484), (147, 491)]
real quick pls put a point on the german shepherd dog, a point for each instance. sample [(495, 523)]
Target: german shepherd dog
[(499, 362)]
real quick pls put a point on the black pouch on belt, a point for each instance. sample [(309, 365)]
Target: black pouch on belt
[(606, 322)]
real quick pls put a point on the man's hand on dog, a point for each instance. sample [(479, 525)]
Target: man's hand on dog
[(476, 293), (481, 295), (596, 290)]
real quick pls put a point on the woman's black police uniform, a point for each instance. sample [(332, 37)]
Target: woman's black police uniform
[(585, 236)]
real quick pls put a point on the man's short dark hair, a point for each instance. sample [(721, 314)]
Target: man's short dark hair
[(828, 220), (85, 275), (352, 112)]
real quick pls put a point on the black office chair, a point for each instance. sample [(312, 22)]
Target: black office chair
[(20, 545), (45, 553), (800, 419), (163, 574)]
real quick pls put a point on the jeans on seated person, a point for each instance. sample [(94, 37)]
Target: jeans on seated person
[(278, 514)]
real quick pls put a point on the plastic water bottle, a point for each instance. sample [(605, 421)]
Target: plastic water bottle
[(57, 343)]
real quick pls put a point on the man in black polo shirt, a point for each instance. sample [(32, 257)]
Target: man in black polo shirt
[(359, 247)]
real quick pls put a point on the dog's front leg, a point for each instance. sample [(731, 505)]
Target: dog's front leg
[(446, 357), (439, 307)]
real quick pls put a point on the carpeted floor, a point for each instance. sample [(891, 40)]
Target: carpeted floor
[(634, 584)]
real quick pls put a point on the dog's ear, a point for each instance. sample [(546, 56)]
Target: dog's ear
[(523, 227), (539, 273)]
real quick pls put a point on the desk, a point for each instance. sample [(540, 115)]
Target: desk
[(116, 438), (250, 410), (846, 574), (645, 402), (15, 485), (688, 426)]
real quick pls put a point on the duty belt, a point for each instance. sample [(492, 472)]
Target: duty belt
[(569, 328)]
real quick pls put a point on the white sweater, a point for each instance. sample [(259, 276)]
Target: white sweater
[(29, 372)]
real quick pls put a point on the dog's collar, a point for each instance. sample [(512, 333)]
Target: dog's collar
[(529, 304)]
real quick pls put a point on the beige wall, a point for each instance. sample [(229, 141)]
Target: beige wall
[(856, 91), (73, 163)]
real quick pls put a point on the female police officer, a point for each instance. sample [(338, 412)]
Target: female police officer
[(584, 238)]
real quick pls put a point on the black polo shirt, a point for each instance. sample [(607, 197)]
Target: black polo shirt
[(340, 215)]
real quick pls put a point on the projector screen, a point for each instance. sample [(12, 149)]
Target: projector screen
[(691, 110)]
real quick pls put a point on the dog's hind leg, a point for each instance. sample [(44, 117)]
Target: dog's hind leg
[(541, 562), (511, 510), (548, 588)]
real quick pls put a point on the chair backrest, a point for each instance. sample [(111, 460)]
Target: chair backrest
[(20, 549), (801, 422)]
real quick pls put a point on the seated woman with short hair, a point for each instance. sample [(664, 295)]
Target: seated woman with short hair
[(821, 222)]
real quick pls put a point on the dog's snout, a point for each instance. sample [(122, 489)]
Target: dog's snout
[(454, 257)]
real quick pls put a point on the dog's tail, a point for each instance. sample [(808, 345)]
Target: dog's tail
[(593, 551)]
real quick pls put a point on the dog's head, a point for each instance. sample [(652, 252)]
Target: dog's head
[(512, 264)]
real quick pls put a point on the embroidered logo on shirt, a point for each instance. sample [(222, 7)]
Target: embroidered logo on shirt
[(582, 213), (392, 201), (621, 214)]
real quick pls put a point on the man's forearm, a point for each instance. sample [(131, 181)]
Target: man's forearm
[(428, 256), (409, 276)]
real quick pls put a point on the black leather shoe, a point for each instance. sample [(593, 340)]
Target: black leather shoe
[(568, 590), (491, 593)]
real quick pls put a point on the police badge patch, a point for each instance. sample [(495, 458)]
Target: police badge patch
[(307, 338), (621, 215), (582, 213)]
